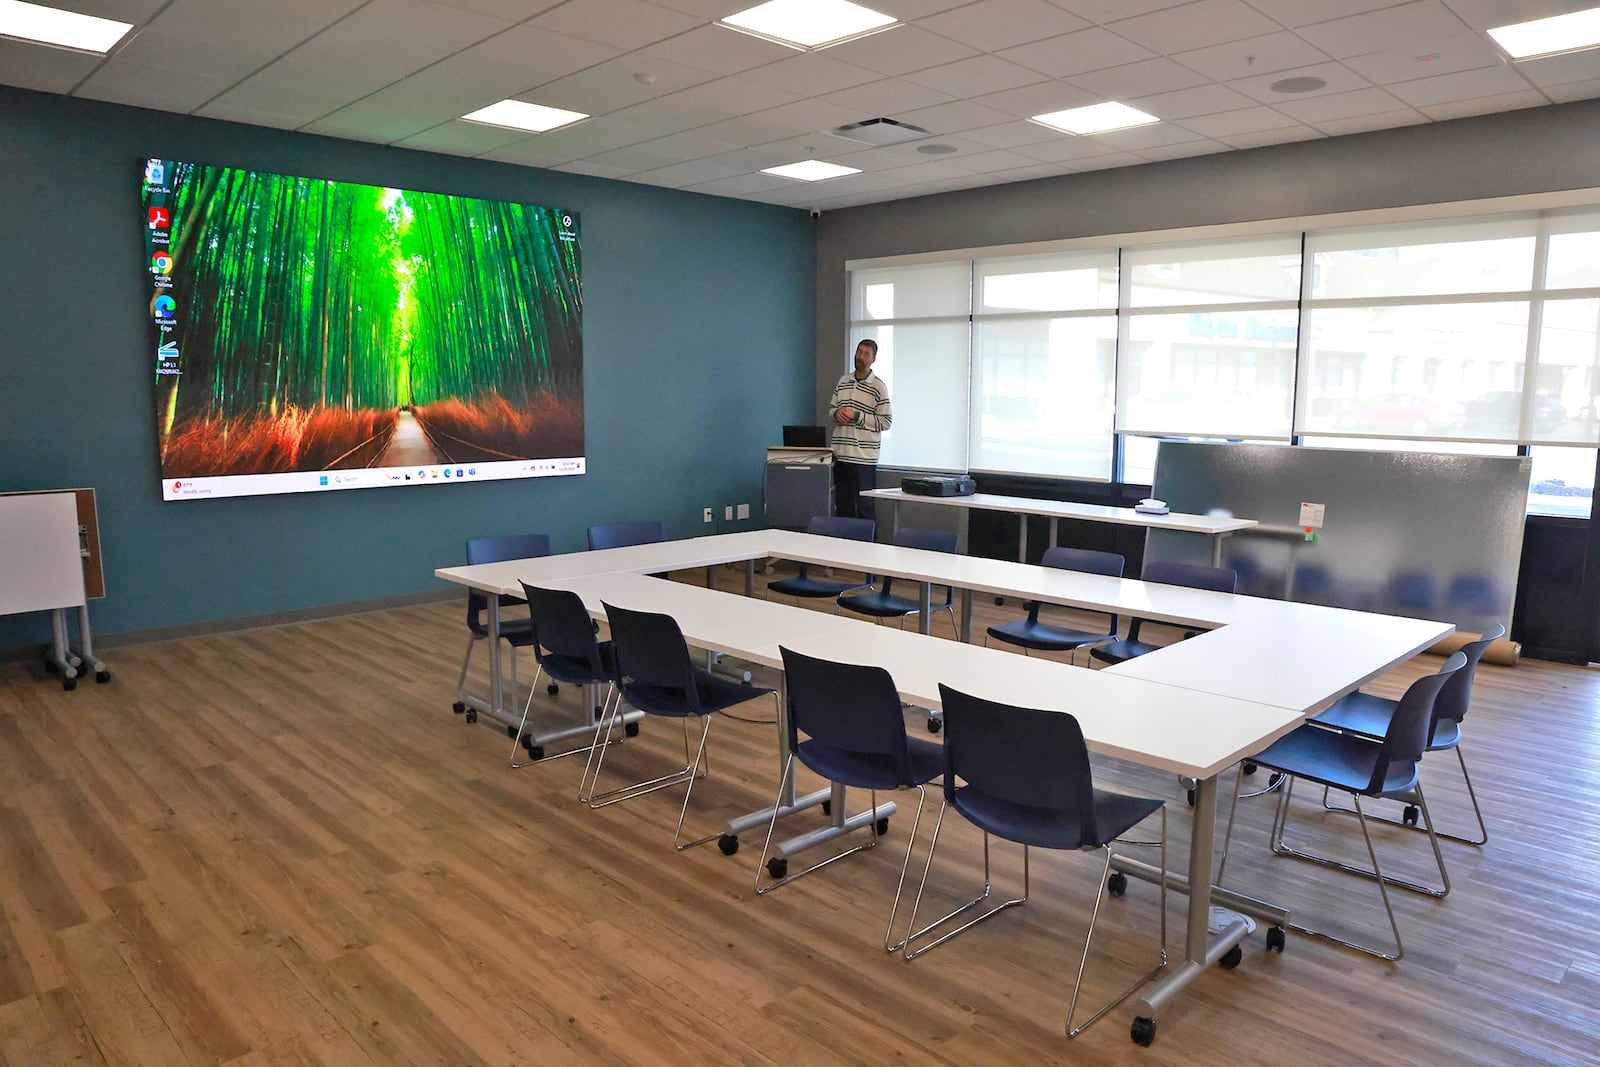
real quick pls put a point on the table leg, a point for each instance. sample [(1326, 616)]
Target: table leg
[(1055, 526), (925, 599), (1216, 550), (1022, 538), (750, 577), (788, 803), (496, 697)]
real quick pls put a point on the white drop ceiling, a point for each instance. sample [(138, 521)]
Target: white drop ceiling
[(679, 102)]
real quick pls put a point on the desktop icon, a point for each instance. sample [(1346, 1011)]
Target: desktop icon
[(472, 471), (159, 218), (322, 480), (176, 486), (161, 262), (165, 307), (155, 171), (422, 474), (459, 473), (447, 472)]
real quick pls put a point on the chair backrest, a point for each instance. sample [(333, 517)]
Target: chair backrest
[(848, 706), (842, 526), (1020, 755), (1084, 560), (1457, 692), (931, 541), (498, 550), (561, 627), (1412, 724), (1191, 575), (623, 534), (651, 651)]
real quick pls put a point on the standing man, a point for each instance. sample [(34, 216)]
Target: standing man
[(860, 412)]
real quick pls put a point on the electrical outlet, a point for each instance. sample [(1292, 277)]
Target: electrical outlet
[(707, 515), (744, 511), (727, 513)]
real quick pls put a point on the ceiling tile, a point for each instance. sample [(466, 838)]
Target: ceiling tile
[(331, 70), (1463, 50), (1340, 79), (740, 185), (707, 9), (990, 162), (1040, 99), (1076, 53), (684, 146), (1196, 25), (285, 106), (1387, 120), (812, 116), (1245, 120), (1483, 105), (1104, 11), (900, 51), (50, 70), (975, 76), (1270, 137), (688, 173), (1138, 79), (1011, 134), (1559, 70), (624, 24), (462, 139), (1186, 150), (1315, 109), (510, 10), (1464, 85), (886, 97), (1392, 27), (995, 24), (1105, 162), (1304, 12), (1566, 94), (1066, 149), (615, 84), (718, 49), (1201, 100), (1141, 137), (632, 158), (416, 23), (955, 117), (160, 87), (810, 74), (585, 166), (1252, 56)]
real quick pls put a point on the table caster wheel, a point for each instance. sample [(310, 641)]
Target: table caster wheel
[(934, 725), (778, 867), (102, 677), (553, 688), (883, 826), (728, 844), (511, 732), (535, 751), (1190, 794), (458, 707), (1117, 884), (630, 729), (1230, 959), (69, 684), (472, 714), (1248, 768), (1275, 939), (1409, 816), (827, 807), (598, 712), (1143, 1031)]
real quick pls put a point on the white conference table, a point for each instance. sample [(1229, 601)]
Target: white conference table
[(1215, 527), (1196, 708)]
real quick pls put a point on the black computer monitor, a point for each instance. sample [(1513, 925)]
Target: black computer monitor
[(805, 437)]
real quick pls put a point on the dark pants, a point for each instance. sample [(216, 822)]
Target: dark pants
[(849, 480)]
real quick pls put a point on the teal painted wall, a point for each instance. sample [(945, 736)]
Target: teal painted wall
[(699, 344)]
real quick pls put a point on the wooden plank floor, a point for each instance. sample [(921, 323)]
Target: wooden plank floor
[(280, 846)]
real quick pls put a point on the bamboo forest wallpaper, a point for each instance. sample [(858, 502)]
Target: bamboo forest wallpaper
[(303, 325)]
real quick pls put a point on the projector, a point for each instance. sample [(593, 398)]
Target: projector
[(939, 485)]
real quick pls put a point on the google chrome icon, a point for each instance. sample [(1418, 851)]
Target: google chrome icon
[(161, 262)]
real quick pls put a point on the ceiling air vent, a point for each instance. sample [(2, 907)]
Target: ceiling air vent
[(879, 132)]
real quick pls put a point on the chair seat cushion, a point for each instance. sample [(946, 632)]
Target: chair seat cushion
[(812, 587), (1122, 651), (873, 770), (1343, 761), (575, 670), (1041, 636), (1115, 814), (880, 605)]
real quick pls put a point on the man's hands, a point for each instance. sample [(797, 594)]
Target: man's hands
[(844, 414)]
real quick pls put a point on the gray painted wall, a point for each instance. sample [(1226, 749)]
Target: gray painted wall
[(698, 347), (1533, 151)]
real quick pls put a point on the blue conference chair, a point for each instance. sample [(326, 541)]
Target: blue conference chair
[(855, 736), (883, 603), (1026, 778), (1030, 633), (1369, 716), (1189, 575), (655, 675), (518, 633), (623, 534), (803, 585), (1362, 767), (567, 650)]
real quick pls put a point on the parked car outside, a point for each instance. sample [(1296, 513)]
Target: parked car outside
[(1499, 411), (1410, 413)]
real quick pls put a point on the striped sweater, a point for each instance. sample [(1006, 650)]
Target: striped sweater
[(857, 441)]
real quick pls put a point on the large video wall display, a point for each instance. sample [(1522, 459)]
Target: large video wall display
[(313, 335)]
